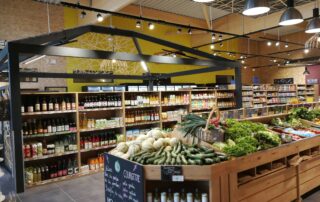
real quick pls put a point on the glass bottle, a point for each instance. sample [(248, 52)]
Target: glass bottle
[(73, 103), (156, 196), (63, 105), (50, 105), (197, 196), (44, 105), (37, 105)]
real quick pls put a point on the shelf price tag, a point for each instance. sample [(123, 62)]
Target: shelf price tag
[(172, 173)]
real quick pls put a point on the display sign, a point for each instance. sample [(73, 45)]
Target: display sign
[(143, 88), (172, 173), (124, 180), (284, 81)]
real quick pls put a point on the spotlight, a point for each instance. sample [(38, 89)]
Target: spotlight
[(245, 67), (286, 45), (174, 55), (269, 43), (151, 26), (306, 71), (278, 64), (306, 51), (83, 14), (212, 46), (138, 24), (277, 43), (220, 37), (241, 57), (255, 7), (179, 30), (253, 69), (287, 62), (221, 44), (114, 61), (242, 61), (215, 54), (213, 37), (190, 31), (274, 60), (99, 17)]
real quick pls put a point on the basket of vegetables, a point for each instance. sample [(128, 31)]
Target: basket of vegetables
[(200, 129)]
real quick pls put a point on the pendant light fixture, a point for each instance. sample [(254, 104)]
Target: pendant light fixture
[(255, 7), (306, 71), (314, 24), (291, 16)]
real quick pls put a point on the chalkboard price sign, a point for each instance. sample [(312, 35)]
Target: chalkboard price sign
[(124, 180)]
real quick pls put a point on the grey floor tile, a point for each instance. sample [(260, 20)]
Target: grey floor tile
[(40, 190), (55, 195)]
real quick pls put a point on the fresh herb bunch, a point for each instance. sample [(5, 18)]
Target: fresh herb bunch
[(235, 129), (243, 146), (267, 140), (302, 113)]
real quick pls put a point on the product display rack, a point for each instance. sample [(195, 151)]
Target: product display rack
[(274, 94)]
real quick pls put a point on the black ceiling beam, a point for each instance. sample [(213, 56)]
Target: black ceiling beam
[(55, 37), (97, 54), (217, 42), (194, 71), (249, 54), (288, 42), (287, 51), (107, 30), (87, 8), (80, 76)]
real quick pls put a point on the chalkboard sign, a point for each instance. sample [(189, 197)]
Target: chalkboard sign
[(124, 180), (171, 173), (284, 81)]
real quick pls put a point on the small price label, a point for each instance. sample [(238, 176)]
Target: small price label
[(172, 173), (177, 178)]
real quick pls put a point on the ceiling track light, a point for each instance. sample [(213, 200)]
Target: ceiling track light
[(221, 44), (306, 51), (99, 17), (314, 24), (255, 7), (138, 24), (290, 16), (151, 26), (190, 31), (83, 14), (277, 43), (286, 45), (269, 43), (212, 46), (220, 37), (306, 71), (179, 30), (213, 36)]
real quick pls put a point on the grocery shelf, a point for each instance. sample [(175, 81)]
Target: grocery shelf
[(144, 123), (49, 134), (168, 121), (50, 156), (101, 109), (48, 113), (138, 107), (98, 148), (172, 105), (99, 129)]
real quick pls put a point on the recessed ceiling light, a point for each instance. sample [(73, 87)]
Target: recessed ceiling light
[(99, 17), (290, 16), (255, 7)]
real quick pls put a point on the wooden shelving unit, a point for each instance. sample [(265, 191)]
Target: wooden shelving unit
[(274, 94)]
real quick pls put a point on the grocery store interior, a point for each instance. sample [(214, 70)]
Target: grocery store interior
[(160, 100)]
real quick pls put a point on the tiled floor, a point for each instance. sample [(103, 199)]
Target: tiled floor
[(89, 188)]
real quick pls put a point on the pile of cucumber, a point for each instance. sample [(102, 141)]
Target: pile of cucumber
[(180, 154)]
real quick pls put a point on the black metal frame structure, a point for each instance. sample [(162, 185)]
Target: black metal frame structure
[(50, 44)]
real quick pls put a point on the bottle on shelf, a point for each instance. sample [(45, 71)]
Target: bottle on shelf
[(37, 105)]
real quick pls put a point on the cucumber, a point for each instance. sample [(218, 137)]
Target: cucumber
[(178, 160), (178, 148), (198, 161), (217, 160), (173, 161), (161, 161), (196, 156), (220, 154), (160, 151), (174, 155), (151, 160), (184, 160), (210, 155), (168, 161), (191, 162), (174, 148), (139, 154), (223, 158), (209, 161)]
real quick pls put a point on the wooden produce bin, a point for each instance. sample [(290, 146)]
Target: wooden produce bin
[(267, 175)]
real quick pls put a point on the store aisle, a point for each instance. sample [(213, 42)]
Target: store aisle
[(86, 189)]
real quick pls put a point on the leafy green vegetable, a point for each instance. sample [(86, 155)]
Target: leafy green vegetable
[(267, 139), (302, 113), (236, 129), (244, 146)]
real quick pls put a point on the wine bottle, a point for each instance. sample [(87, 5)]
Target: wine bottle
[(44, 105), (37, 105)]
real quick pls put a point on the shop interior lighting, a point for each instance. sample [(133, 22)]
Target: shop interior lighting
[(114, 61), (179, 30), (242, 61), (255, 7), (174, 55), (99, 17), (306, 51), (213, 36), (286, 45), (220, 37), (190, 31), (34, 59), (314, 24), (269, 43), (277, 43), (83, 14), (212, 46), (306, 71), (291, 16), (151, 26), (138, 24), (221, 44), (144, 66)]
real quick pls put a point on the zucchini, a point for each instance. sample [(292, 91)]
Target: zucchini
[(161, 161), (191, 162), (168, 161), (217, 160), (209, 161), (220, 154), (184, 160), (179, 159), (198, 161), (151, 160), (178, 148), (174, 155), (210, 155), (160, 151), (173, 161), (223, 158)]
